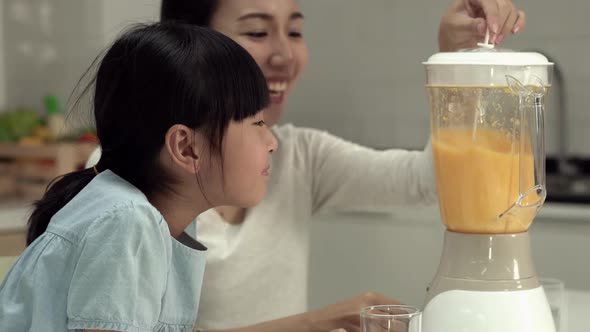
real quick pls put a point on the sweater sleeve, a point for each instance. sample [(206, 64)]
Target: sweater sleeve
[(347, 176)]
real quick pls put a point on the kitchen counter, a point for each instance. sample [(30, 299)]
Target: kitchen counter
[(578, 311), (14, 215), (13, 226), (558, 211)]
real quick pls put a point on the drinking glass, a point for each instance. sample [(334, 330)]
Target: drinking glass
[(390, 318)]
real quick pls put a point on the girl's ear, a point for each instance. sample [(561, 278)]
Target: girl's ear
[(182, 146)]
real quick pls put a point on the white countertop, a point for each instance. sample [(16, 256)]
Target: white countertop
[(558, 211), (14, 215), (578, 311)]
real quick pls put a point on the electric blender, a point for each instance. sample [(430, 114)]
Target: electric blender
[(487, 127)]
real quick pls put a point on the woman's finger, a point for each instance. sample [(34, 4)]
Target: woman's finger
[(520, 22), (511, 15)]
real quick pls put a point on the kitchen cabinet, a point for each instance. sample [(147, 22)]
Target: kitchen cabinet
[(397, 252), (13, 225), (26, 170), (12, 243)]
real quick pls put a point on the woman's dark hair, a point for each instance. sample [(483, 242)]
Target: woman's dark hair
[(153, 77), (196, 12)]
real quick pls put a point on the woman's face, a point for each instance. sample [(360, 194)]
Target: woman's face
[(271, 31)]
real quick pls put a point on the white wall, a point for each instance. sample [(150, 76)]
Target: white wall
[(48, 44), (365, 80), (116, 15), (2, 73)]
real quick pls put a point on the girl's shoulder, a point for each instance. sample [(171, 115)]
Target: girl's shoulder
[(107, 203)]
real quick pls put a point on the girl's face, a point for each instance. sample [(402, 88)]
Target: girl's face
[(271, 31), (246, 150)]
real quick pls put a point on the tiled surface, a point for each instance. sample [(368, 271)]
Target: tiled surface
[(48, 44), (365, 78), (370, 57), (2, 70)]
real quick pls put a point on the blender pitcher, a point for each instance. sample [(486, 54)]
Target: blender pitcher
[(487, 137)]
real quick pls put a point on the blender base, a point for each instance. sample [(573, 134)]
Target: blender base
[(488, 311)]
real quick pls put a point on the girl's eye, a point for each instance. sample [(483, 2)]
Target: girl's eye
[(260, 123), (295, 34), (256, 34)]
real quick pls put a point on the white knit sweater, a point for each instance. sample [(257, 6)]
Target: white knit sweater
[(257, 271)]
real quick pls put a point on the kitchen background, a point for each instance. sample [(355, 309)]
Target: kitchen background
[(365, 82)]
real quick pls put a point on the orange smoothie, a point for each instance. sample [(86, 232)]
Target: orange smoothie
[(478, 178)]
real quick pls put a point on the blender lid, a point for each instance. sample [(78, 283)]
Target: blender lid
[(488, 56)]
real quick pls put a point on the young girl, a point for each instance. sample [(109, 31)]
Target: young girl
[(178, 115)]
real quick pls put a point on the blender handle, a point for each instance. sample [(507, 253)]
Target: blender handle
[(532, 126)]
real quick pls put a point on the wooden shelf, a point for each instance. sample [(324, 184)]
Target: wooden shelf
[(28, 169), (62, 153), (12, 243), (43, 151)]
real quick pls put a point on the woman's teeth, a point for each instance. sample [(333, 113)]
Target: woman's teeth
[(277, 87)]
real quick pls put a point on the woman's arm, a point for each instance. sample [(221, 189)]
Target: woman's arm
[(347, 176), (342, 315)]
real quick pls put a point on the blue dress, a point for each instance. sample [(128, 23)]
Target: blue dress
[(107, 261)]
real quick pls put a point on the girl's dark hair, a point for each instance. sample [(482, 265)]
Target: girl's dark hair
[(153, 77), (196, 12)]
